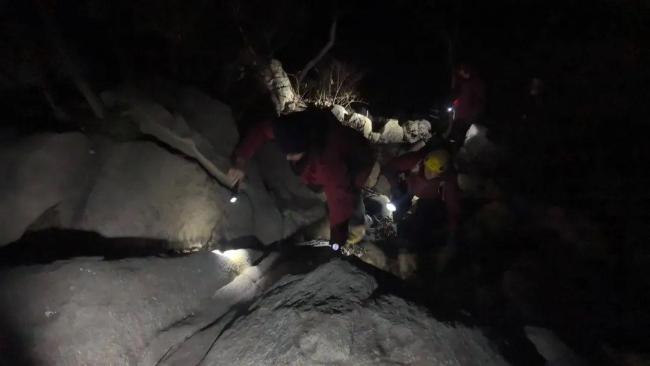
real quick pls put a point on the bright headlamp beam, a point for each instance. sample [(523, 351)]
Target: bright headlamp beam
[(236, 260)]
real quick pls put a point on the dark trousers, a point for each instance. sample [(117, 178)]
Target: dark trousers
[(359, 215), (427, 224), (458, 132)]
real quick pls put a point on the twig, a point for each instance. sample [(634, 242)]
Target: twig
[(321, 54)]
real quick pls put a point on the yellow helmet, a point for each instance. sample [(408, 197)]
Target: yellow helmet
[(436, 161)]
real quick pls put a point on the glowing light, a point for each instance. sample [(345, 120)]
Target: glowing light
[(233, 199), (391, 207), (237, 259), (450, 109), (335, 247), (234, 254)]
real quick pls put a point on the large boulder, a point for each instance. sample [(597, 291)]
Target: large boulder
[(92, 312), (131, 189), (392, 132), (42, 174), (330, 316), (142, 190), (173, 188), (186, 310), (209, 118), (273, 203)]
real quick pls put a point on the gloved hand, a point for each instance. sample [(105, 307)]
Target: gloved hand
[(236, 173), (235, 176)]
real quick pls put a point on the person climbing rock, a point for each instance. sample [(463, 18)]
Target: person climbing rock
[(428, 176), (469, 102), (326, 155), (426, 180)]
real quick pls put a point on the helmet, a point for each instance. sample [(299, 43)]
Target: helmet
[(436, 161)]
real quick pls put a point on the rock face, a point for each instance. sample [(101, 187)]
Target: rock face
[(182, 311), (391, 133), (203, 129), (91, 312), (552, 348), (40, 174), (169, 183), (330, 317), (210, 118), (130, 189), (417, 130), (141, 190)]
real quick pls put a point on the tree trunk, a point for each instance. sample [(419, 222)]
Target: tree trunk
[(284, 97)]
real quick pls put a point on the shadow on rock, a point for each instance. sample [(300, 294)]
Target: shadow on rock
[(48, 245), (12, 350)]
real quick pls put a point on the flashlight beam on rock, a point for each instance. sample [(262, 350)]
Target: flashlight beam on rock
[(236, 259)]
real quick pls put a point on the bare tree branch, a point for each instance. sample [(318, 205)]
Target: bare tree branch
[(55, 37), (320, 55), (335, 84)]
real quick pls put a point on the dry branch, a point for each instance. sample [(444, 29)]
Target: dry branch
[(320, 55)]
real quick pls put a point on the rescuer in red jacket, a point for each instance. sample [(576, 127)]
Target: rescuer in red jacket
[(325, 154), (469, 102), (429, 176)]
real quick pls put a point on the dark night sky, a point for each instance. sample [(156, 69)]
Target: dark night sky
[(400, 45), (402, 48)]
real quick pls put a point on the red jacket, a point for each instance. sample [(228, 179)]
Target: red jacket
[(470, 100), (340, 169), (444, 187)]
